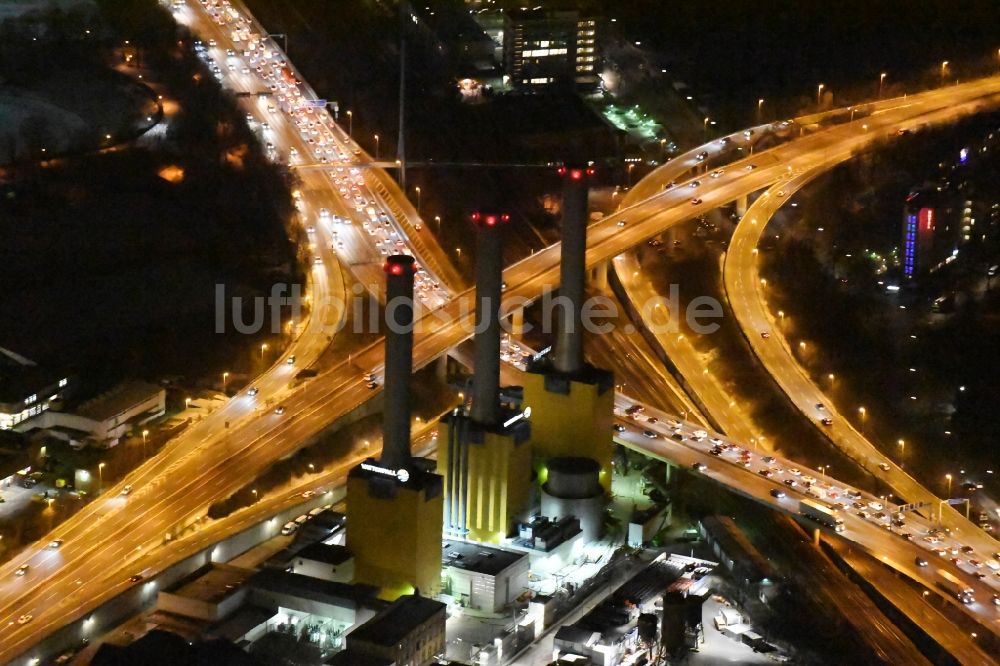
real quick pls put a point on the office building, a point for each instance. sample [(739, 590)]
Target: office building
[(26, 389), (103, 420), (544, 48), (931, 231)]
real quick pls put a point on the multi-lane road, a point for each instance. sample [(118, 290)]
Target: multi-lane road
[(688, 445), (216, 457)]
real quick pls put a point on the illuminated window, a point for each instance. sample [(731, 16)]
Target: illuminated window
[(63, 382), (31, 398), (544, 53)]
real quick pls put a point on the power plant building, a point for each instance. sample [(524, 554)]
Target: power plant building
[(394, 507), (484, 452), (572, 402)]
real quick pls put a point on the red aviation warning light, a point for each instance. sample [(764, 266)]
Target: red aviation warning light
[(398, 267), (576, 173), (489, 219)]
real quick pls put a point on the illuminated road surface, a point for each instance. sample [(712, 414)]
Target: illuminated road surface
[(876, 536), (103, 540)]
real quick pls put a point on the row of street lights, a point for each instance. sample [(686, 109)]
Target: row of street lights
[(881, 83), (863, 414)]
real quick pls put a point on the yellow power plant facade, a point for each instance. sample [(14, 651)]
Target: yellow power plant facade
[(572, 416), (394, 529), (487, 476)]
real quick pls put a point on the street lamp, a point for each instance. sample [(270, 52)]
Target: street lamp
[(284, 39), (823, 469), (418, 199), (948, 477), (187, 402), (705, 126), (902, 451), (376, 146), (350, 124), (437, 220), (145, 434), (944, 70), (100, 475), (760, 103), (863, 412), (819, 93), (263, 348), (225, 378), (254, 491), (881, 80)]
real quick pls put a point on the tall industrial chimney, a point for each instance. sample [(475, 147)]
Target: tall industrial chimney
[(568, 356), (398, 326), (489, 273)]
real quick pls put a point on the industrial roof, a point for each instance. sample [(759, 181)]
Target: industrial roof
[(213, 583), (328, 554), (392, 625), (117, 400), (315, 589), (478, 558)]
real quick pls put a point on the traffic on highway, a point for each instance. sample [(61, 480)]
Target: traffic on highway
[(907, 541), (118, 537)]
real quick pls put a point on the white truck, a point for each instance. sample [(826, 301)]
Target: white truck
[(822, 514), (816, 491)]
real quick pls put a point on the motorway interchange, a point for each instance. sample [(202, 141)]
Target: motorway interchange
[(118, 537), (908, 541)]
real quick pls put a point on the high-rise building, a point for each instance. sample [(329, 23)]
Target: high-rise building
[(551, 47), (931, 231)]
